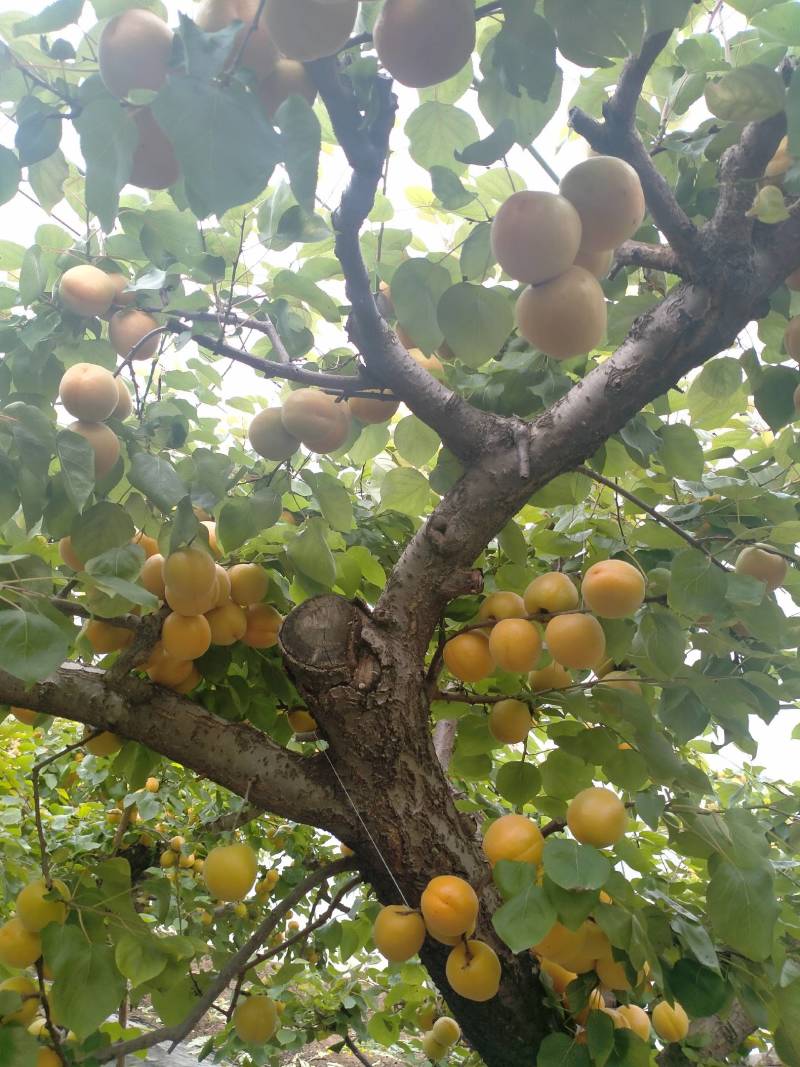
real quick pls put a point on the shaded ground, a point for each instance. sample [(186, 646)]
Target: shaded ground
[(315, 1055)]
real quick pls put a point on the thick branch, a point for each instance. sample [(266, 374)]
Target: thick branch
[(641, 254), (740, 168), (235, 755)]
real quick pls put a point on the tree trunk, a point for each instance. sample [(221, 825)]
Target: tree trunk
[(367, 692)]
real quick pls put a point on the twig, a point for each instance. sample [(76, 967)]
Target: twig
[(44, 861), (551, 174), (641, 254), (233, 820), (67, 607), (123, 825), (554, 827), (52, 1030), (145, 638), (123, 1022), (359, 1055), (129, 358)]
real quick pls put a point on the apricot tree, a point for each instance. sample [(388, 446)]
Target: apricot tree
[(421, 537)]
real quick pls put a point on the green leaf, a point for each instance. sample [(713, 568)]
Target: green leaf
[(448, 189), (696, 938), (9, 175), (680, 453), (701, 991), (490, 149), (243, 518), (384, 1027), (405, 490), (108, 140), (773, 396), (415, 441), (289, 283), (742, 908), (55, 16), (590, 30), (301, 139), (174, 1002), (436, 131), (746, 94), (781, 22), (417, 286), (475, 321), (157, 479), (333, 499), (665, 14), (309, 553), (525, 919), (225, 146), (697, 586), (139, 957), (529, 116), (103, 526), (31, 645), (518, 782), (629, 1051), (575, 866), (599, 1036), (561, 1050), (87, 987), (662, 641), (124, 562), (523, 53), (38, 135), (512, 877), (18, 1048), (76, 457)]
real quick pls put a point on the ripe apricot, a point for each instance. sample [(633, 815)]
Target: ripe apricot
[(223, 587), (553, 676), (398, 932), (302, 722), (270, 438), (768, 567), (607, 194), (780, 162), (576, 640), (558, 975), (104, 744), (562, 945), (613, 589), (190, 570), (134, 51), (515, 644), (596, 816), (249, 584), (447, 939), (260, 53), (230, 871), (432, 1048), (424, 42), (502, 605), (68, 554), (18, 947), (467, 657), (152, 575), (86, 290), (473, 971), (289, 78), (535, 236), (88, 392), (791, 338), (124, 405), (213, 541), (193, 602), (25, 715), (309, 29), (446, 1031), (564, 317), (35, 911), (322, 424), (29, 994), (636, 1019), (263, 624), (165, 670), (148, 544), (550, 592), (612, 974), (597, 263), (510, 721), (154, 164), (104, 442), (48, 1057), (670, 1021), (122, 297), (450, 904), (228, 624), (126, 330), (621, 680), (372, 410), (152, 785), (255, 1019), (105, 638), (513, 837), (186, 636)]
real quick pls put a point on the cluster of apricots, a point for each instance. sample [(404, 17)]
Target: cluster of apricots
[(560, 244), (512, 639), (89, 292)]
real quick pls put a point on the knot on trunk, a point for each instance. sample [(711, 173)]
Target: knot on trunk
[(322, 645)]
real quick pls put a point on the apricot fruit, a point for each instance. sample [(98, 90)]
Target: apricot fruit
[(213, 540), (510, 721), (515, 644), (68, 554), (564, 317), (424, 42), (780, 162), (449, 904), (48, 1057), (302, 722), (576, 641), (29, 994), (636, 1019), (448, 939), (596, 816), (550, 592), (25, 716), (597, 263), (432, 364), (607, 194), (223, 587), (502, 605), (372, 410), (553, 676), (18, 947), (152, 575), (104, 744), (446, 1031), (154, 164), (188, 570), (535, 236), (670, 1021), (432, 1048), (134, 52), (230, 871), (309, 29), (228, 624), (398, 932), (289, 78), (165, 670), (270, 438), (612, 974), (186, 636), (190, 682), (104, 442), (85, 290), (255, 1019), (105, 638), (124, 405), (575, 950), (621, 680), (121, 297), (148, 544), (613, 589), (35, 911), (193, 602), (473, 971), (249, 584), (758, 562), (126, 330), (260, 53), (263, 624), (791, 338), (513, 837), (467, 657), (88, 392), (559, 976), (316, 418)]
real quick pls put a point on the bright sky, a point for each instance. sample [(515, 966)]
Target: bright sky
[(778, 752)]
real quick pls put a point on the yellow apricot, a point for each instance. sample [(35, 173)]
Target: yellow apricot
[(510, 721), (553, 676), (613, 589), (255, 1019), (316, 418), (86, 290), (446, 1031), (597, 263), (223, 588), (154, 166), (270, 438), (190, 682), (152, 575), (515, 644), (25, 715), (18, 947), (513, 837), (134, 51), (502, 605), (289, 78), (670, 1022), (260, 53), (230, 871), (228, 624), (122, 297), (559, 976), (596, 816), (636, 1019), (398, 932), (152, 785), (263, 624), (127, 330), (29, 994), (550, 592), (190, 570), (249, 584), (467, 657), (621, 680), (450, 904), (448, 939), (48, 1057), (35, 911), (309, 29), (564, 317), (104, 442), (607, 194), (186, 636), (88, 392), (105, 638), (424, 42), (473, 971), (372, 411), (768, 567), (575, 641), (104, 744), (68, 554), (168, 859), (149, 545), (213, 540), (612, 974), (535, 236), (302, 722)]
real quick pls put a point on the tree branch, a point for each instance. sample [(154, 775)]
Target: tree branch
[(641, 254), (740, 168), (234, 754)]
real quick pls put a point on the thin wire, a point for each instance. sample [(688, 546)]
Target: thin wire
[(366, 828)]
